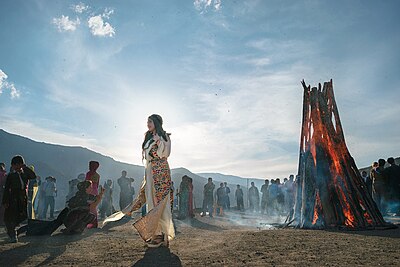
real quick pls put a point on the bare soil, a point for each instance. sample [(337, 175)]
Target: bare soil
[(233, 240)]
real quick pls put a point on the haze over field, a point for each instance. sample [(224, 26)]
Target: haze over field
[(225, 76)]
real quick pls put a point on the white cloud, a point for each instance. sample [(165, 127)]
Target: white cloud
[(107, 13), (14, 92), (63, 23), (3, 78), (100, 28), (4, 84), (80, 8), (260, 62), (205, 5)]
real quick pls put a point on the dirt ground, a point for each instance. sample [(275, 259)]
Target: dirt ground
[(233, 240)]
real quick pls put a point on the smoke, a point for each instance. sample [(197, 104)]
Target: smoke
[(250, 220)]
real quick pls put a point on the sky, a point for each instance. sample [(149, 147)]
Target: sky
[(224, 75)]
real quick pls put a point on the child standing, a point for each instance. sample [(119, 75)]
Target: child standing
[(15, 199), (94, 177)]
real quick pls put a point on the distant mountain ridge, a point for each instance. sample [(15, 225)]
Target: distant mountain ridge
[(65, 163)]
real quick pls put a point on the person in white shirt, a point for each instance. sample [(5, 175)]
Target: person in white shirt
[(50, 192)]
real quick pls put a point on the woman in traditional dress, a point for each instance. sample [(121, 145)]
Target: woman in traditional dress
[(94, 177), (156, 227)]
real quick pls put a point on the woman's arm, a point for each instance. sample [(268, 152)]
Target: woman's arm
[(164, 147)]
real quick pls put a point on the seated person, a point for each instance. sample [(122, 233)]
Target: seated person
[(76, 216)]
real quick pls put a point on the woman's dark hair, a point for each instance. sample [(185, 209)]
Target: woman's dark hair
[(157, 120)]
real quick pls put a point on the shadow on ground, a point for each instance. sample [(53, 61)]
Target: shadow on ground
[(204, 226), (390, 232), (161, 256), (30, 246)]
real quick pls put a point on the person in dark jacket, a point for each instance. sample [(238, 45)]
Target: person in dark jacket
[(76, 216), (393, 178), (15, 199), (239, 198)]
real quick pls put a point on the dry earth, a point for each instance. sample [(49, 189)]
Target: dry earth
[(204, 241)]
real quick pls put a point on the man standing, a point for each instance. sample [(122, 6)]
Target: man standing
[(208, 200), (15, 198), (106, 207), (221, 199), (393, 176), (254, 198), (227, 205), (50, 192), (264, 198), (239, 198), (379, 185), (127, 190)]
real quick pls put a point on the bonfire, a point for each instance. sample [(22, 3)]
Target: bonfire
[(330, 190)]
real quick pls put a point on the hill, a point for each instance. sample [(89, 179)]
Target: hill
[(66, 163)]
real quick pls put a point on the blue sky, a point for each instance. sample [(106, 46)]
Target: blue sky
[(225, 76)]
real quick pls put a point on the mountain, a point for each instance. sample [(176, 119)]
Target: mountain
[(66, 163)]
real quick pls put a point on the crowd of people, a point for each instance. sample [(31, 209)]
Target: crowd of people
[(274, 198), (383, 183), (25, 196), (25, 199), (87, 198), (277, 198)]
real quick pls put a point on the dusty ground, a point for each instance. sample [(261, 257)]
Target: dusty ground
[(204, 242)]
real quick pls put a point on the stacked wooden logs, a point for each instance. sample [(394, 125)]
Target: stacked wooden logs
[(330, 189)]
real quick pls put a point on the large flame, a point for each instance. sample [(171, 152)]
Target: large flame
[(331, 189)]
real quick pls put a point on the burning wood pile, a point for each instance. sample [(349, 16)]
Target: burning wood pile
[(330, 190)]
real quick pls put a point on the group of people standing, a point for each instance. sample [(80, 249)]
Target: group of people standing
[(221, 195), (275, 198), (383, 183)]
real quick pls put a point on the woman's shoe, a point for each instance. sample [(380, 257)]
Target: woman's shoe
[(156, 242), (153, 244)]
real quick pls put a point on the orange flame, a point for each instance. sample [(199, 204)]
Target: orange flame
[(317, 208)]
